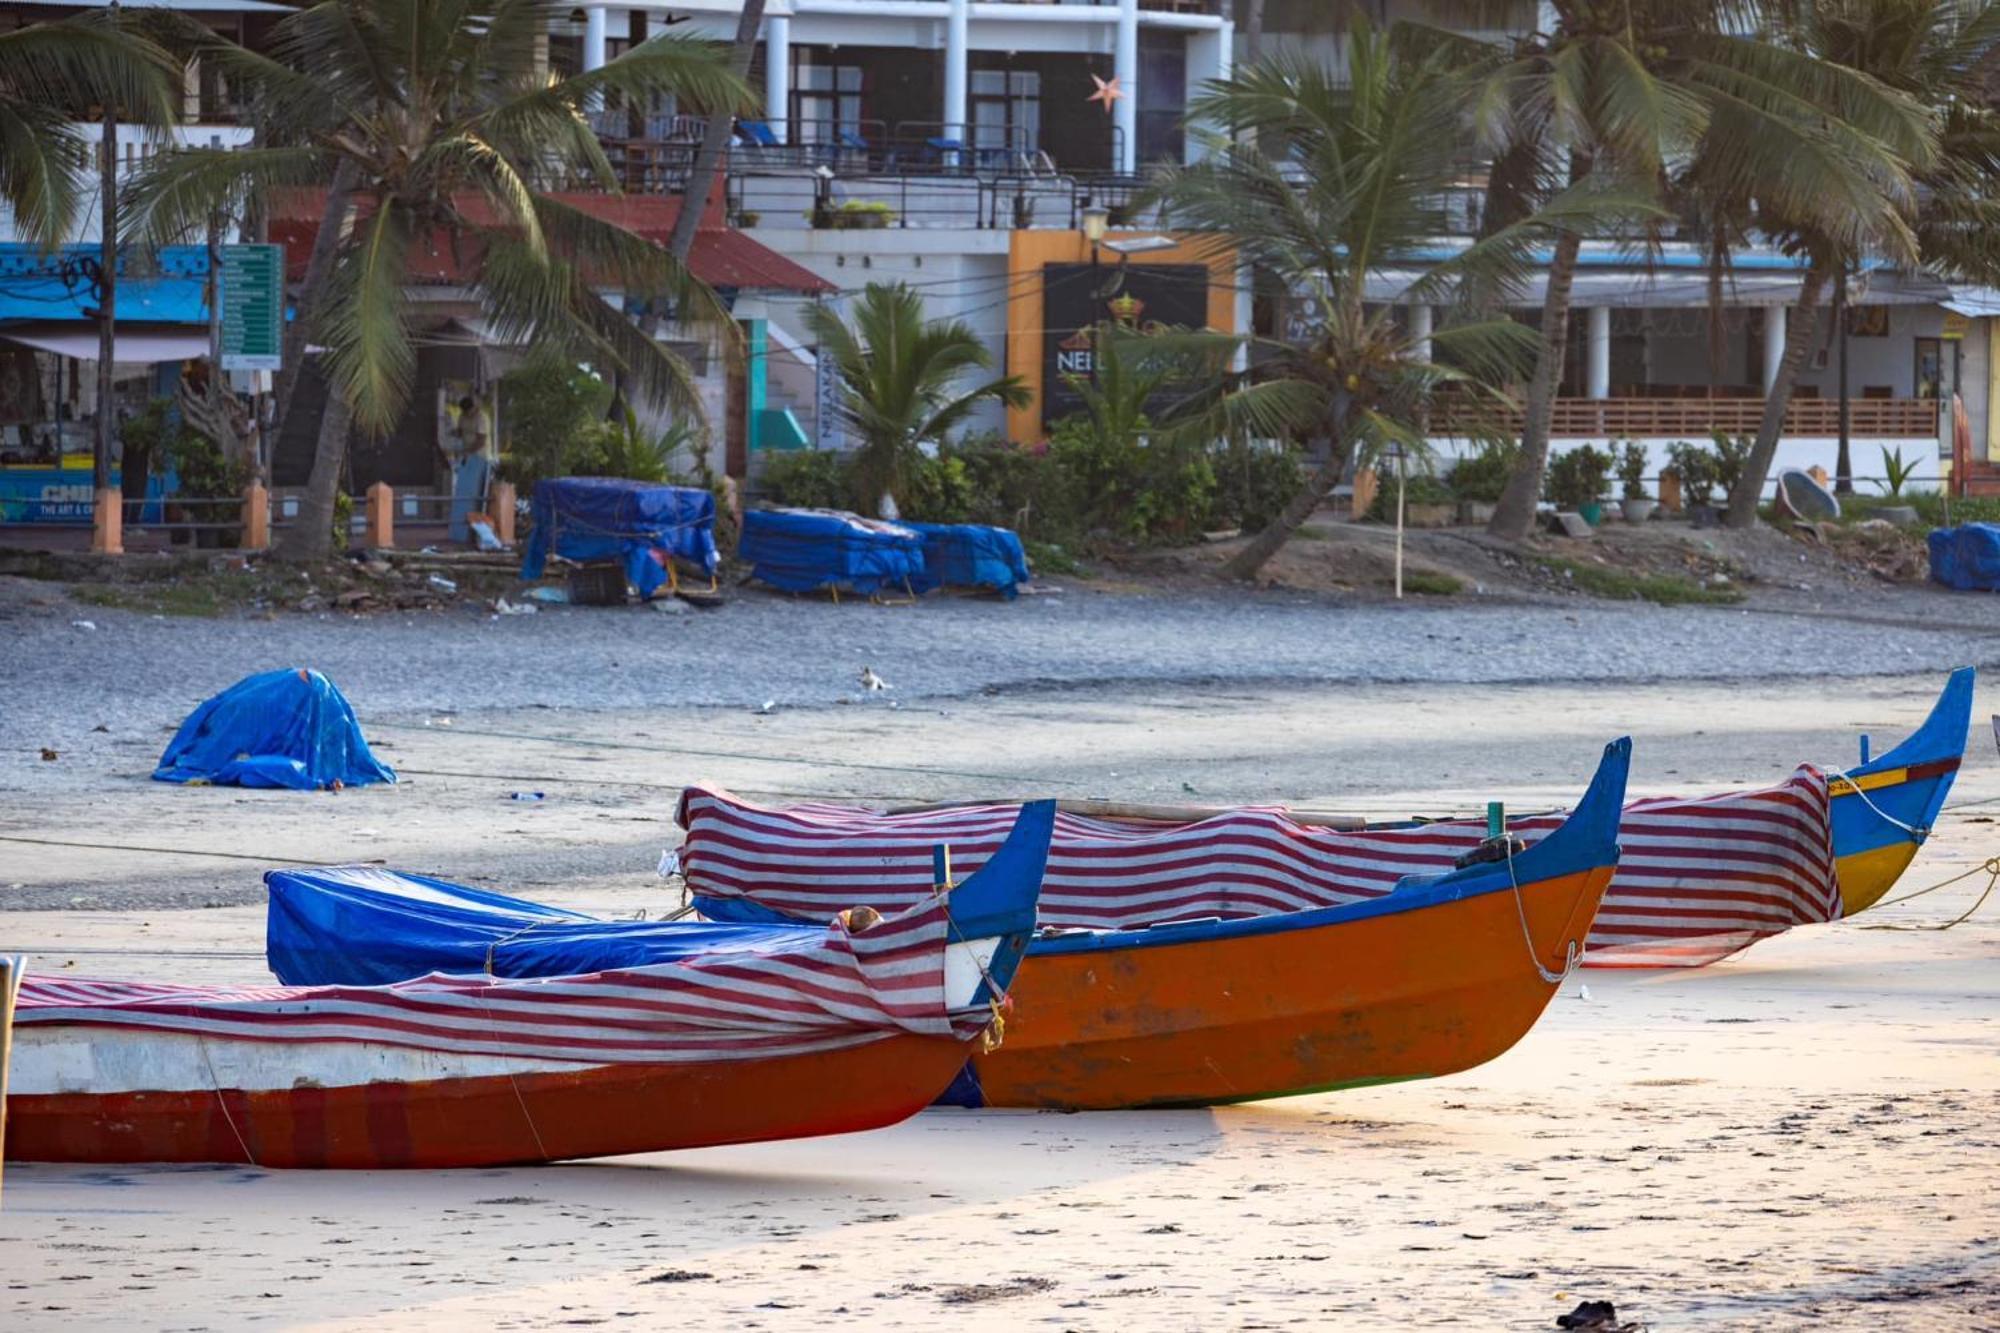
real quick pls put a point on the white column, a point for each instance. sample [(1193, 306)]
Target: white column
[(778, 76), (1125, 66), (1420, 333), (594, 23), (1208, 59), (1598, 361), (955, 76), (1774, 343)]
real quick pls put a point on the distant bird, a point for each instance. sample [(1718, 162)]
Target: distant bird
[(769, 706), (871, 681)]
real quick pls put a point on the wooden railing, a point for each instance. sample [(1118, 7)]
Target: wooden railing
[(1695, 418)]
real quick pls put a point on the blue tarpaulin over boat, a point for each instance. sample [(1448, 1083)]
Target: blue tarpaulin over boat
[(1967, 557), (800, 550), (365, 926), (287, 728), (640, 524), (971, 555)]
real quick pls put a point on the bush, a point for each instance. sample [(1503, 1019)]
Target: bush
[(806, 479), (1007, 484), (551, 418), (1732, 454), (1632, 470), (1420, 488), (1254, 481), (1696, 468), (1578, 477), (1129, 488), (1480, 478)]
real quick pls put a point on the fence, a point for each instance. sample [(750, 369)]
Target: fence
[(246, 522), (1694, 418)]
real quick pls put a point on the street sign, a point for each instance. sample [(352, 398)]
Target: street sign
[(253, 307)]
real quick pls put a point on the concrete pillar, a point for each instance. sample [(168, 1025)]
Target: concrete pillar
[(1125, 65), (778, 76), (381, 516), (1775, 320), (1597, 361), (596, 22), (1420, 333), (256, 517), (1208, 59), (500, 500), (956, 80), (107, 522)]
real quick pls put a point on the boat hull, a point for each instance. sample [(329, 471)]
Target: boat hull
[(1244, 1015), (537, 1115), (1883, 810)]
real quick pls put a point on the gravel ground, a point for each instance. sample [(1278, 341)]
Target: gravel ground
[(58, 681)]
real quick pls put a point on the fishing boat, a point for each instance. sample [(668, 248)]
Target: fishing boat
[(853, 1025), (1446, 971), (1699, 878)]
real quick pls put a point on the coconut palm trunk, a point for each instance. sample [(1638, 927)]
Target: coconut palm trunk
[(311, 537), (107, 309), (1515, 513), (1799, 334), (714, 136), (1247, 562), (319, 266)]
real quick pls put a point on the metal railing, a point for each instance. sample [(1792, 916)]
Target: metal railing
[(1695, 418), (1000, 203)]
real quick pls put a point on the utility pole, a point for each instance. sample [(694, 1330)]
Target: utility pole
[(1843, 466)]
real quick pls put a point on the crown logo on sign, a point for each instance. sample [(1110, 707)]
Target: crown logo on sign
[(1125, 308)]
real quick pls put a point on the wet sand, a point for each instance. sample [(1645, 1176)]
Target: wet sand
[(1803, 1135)]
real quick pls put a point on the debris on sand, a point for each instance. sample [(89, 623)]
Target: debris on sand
[(979, 1293), (1596, 1316)]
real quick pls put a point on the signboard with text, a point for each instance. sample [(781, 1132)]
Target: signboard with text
[(253, 307), (1077, 298)]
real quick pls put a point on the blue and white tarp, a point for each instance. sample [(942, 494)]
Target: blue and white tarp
[(640, 524), (971, 555), (801, 550), (1967, 557), (365, 926), (287, 728)]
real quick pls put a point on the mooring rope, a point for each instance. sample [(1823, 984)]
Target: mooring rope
[(1991, 867), (1571, 954)]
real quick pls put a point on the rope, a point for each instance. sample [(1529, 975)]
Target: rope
[(176, 851), (541, 1149), (222, 1101), (998, 1001), (1914, 830), (1991, 866), (1571, 955)]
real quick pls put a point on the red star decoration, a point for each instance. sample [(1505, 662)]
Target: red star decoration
[(1107, 92)]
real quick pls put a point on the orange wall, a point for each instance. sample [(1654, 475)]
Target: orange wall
[(1026, 253)]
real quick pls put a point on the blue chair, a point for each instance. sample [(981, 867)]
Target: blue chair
[(758, 133)]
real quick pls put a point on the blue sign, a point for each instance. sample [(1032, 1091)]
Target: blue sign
[(59, 495)]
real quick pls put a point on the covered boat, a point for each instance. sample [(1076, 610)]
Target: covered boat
[(781, 1035), (1698, 880), (1443, 973)]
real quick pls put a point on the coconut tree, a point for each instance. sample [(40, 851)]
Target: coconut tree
[(902, 381), (1935, 54), (437, 128), (1330, 182), (1622, 91)]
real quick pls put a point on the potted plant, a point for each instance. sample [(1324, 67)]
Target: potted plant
[(1638, 505), (1476, 480), (747, 218), (1577, 479), (1695, 466), (1896, 472), (862, 215)]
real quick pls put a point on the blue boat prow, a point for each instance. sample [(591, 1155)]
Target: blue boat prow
[(1885, 807)]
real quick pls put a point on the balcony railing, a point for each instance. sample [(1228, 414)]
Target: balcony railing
[(1694, 418)]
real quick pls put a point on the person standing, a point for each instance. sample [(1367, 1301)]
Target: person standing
[(472, 466)]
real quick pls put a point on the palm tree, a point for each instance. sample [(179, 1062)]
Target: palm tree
[(436, 126), (1934, 53), (901, 380), (1323, 182), (1621, 89)]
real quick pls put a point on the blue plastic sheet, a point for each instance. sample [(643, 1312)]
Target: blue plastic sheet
[(1967, 557), (365, 926), (287, 728), (640, 524), (970, 555), (800, 550)]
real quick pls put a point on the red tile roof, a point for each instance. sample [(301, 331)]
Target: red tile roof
[(721, 256)]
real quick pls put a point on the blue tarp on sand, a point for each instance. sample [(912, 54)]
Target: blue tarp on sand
[(971, 555), (1967, 557), (800, 550), (365, 926), (287, 728), (638, 523)]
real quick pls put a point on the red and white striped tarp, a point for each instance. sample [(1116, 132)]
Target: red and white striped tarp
[(840, 990), (1698, 879)]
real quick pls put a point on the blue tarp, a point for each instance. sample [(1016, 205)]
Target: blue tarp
[(970, 555), (287, 728), (638, 523), (803, 549), (1967, 557), (364, 926)]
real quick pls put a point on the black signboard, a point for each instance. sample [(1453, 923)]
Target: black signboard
[(1076, 298)]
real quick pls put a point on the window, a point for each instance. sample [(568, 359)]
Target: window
[(1006, 113), (826, 102)]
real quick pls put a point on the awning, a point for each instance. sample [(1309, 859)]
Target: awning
[(1679, 289), (1975, 302), (162, 300), (132, 346)]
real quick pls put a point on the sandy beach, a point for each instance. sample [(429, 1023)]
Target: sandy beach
[(1804, 1135)]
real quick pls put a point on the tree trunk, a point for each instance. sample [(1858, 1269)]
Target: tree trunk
[(311, 538), (1246, 562), (1749, 488), (319, 268), (107, 310), (1515, 513), (715, 137), (1253, 32)]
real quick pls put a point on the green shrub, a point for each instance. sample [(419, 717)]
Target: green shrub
[(1480, 478), (1632, 470), (1129, 488), (1007, 483), (1696, 468), (1732, 454), (806, 479), (1420, 488), (1578, 477), (551, 418), (1253, 482)]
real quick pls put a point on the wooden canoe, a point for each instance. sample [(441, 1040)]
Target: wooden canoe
[(841, 1032)]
